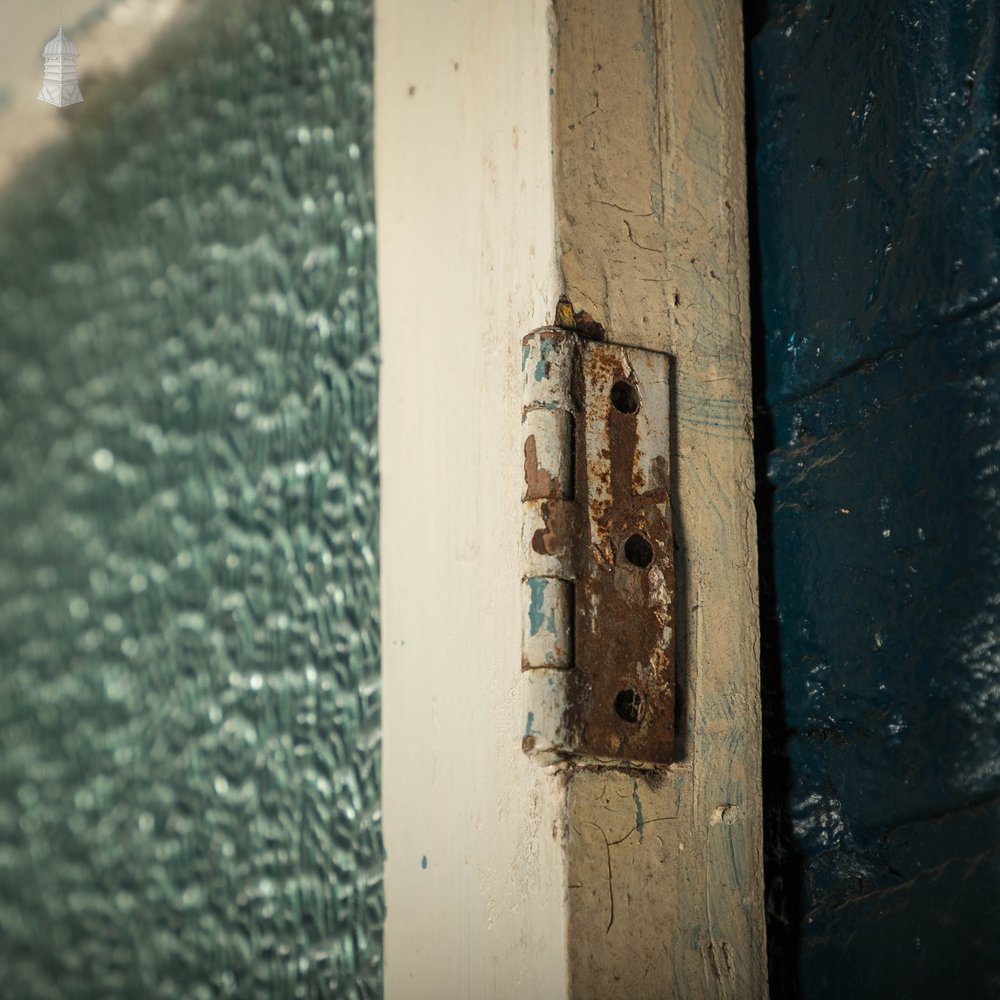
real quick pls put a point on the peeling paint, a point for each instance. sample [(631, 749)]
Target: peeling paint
[(596, 512), (547, 625), (537, 586), (538, 481), (542, 367)]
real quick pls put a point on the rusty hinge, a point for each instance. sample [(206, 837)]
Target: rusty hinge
[(598, 586)]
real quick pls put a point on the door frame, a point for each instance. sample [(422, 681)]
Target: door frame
[(593, 148)]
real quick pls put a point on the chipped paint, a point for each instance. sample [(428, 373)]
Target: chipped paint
[(548, 418), (542, 367), (548, 623), (547, 468), (547, 538), (537, 587), (601, 524), (549, 516), (553, 350)]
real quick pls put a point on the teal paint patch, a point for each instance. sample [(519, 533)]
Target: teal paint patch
[(551, 624), (525, 354), (531, 722), (423, 862), (542, 366), (536, 616), (639, 821)]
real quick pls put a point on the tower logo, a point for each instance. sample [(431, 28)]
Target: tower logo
[(60, 85)]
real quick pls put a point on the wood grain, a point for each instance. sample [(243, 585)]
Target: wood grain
[(665, 867)]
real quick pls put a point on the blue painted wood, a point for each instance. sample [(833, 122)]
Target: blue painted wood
[(878, 205)]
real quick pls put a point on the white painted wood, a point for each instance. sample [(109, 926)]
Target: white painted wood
[(475, 879)]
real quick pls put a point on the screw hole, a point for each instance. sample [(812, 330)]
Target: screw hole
[(638, 551), (624, 397), (628, 705)]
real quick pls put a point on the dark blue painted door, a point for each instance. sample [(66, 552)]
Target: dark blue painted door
[(878, 211)]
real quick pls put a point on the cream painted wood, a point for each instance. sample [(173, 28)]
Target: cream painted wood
[(467, 265), (665, 868)]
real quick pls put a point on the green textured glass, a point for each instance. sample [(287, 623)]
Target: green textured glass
[(189, 643)]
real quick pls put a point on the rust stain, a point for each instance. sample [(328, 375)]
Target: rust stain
[(556, 535), (539, 483), (609, 527), (576, 319), (622, 694)]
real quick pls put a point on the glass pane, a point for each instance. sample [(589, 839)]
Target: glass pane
[(189, 644)]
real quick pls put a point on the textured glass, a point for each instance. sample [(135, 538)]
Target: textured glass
[(189, 699)]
